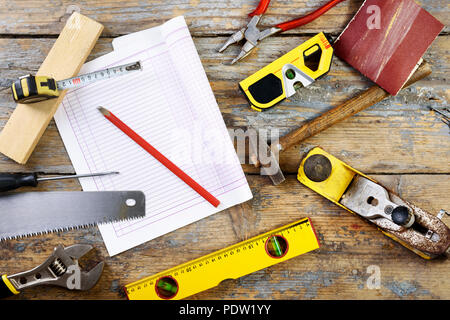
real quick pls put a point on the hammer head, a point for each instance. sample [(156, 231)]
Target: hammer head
[(265, 157)]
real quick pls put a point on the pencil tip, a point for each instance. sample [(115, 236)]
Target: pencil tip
[(104, 111)]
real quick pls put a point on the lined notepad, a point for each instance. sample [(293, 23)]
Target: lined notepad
[(171, 105)]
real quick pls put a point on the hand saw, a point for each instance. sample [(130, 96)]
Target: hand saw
[(414, 228), (230, 263), (279, 80), (31, 213)]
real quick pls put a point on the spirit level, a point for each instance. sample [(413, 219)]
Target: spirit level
[(230, 263)]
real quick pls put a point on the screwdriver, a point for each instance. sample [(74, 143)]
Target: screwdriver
[(11, 181)]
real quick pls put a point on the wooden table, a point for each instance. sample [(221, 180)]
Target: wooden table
[(398, 142)]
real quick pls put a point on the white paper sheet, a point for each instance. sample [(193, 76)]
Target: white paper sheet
[(171, 105)]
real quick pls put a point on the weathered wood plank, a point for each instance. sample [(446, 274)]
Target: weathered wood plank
[(206, 17), (336, 271), (399, 135)]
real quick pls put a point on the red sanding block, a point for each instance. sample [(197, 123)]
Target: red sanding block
[(386, 40)]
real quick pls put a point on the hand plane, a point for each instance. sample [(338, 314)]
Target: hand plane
[(413, 227)]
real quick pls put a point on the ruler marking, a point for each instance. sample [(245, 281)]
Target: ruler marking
[(99, 75)]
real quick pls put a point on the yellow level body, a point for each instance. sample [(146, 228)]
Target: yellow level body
[(279, 80), (230, 263), (337, 184)]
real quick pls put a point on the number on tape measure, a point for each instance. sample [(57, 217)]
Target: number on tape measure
[(98, 75)]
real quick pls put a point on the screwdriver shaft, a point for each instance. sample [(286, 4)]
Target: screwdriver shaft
[(77, 176)]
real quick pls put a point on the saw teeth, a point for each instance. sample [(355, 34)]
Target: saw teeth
[(67, 228)]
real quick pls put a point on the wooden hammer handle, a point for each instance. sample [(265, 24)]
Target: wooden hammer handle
[(368, 98)]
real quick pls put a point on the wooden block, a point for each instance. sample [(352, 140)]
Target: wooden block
[(29, 121)]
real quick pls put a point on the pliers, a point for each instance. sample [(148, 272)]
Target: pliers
[(253, 35), (60, 269)]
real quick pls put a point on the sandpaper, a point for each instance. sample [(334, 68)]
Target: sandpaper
[(386, 40)]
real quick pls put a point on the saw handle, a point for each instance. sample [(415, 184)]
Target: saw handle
[(368, 98), (10, 181), (6, 288)]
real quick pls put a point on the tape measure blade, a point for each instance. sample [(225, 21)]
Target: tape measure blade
[(230, 263)]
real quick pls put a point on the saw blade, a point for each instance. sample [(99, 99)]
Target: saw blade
[(32, 213)]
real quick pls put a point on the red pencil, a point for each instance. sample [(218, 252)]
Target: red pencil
[(160, 157)]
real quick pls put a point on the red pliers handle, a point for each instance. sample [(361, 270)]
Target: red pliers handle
[(254, 36), (264, 4)]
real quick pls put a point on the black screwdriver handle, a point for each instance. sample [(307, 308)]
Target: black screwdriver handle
[(11, 181)]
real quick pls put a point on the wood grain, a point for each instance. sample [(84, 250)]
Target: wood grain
[(397, 135), (338, 270), (206, 17), (366, 99), (399, 142)]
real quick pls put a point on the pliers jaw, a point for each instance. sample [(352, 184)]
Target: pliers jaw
[(234, 38), (60, 269), (252, 35)]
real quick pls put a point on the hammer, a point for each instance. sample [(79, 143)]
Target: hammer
[(371, 96)]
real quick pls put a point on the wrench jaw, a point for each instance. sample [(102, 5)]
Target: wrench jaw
[(89, 279), (60, 269), (74, 278), (77, 251)]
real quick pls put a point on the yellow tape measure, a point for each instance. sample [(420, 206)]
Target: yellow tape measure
[(31, 89), (230, 263)]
